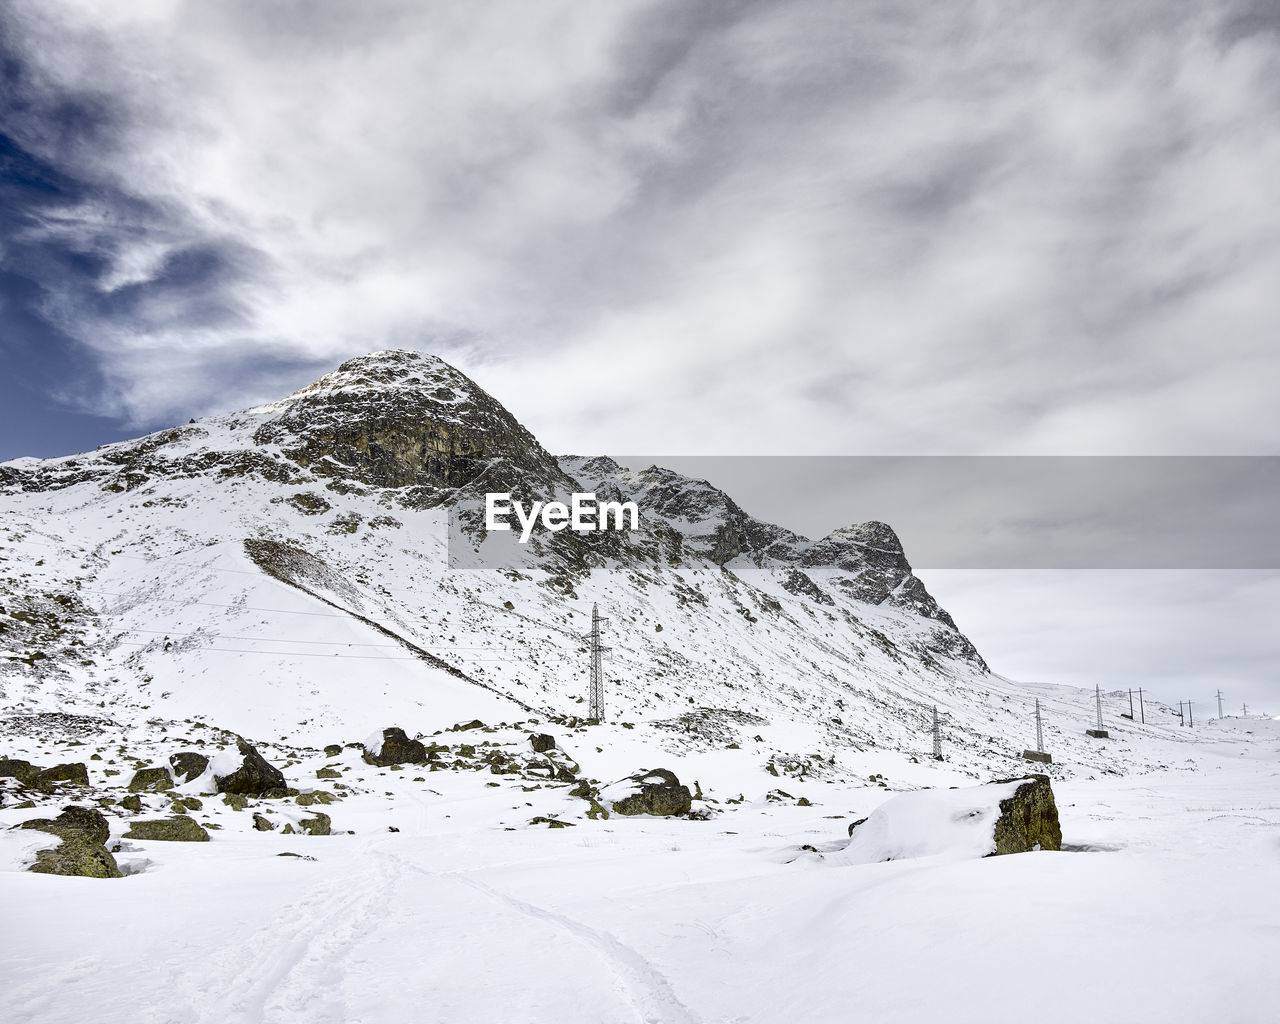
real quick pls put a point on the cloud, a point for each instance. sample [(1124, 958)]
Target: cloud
[(815, 227)]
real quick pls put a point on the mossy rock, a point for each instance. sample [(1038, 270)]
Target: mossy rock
[(75, 773), (1028, 819), (328, 773), (236, 801), (551, 822), (191, 803), (318, 796), (14, 768), (132, 802), (151, 780), (263, 823), (542, 742), (178, 829), (82, 833), (657, 792), (317, 826), (333, 750), (475, 723)]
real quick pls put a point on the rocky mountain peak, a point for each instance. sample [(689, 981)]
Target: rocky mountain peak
[(397, 419)]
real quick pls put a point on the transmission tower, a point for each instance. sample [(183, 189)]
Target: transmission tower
[(1097, 696), (1219, 704), (937, 735), (1039, 729), (597, 673)]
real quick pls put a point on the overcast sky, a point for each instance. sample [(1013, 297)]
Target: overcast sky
[(731, 228)]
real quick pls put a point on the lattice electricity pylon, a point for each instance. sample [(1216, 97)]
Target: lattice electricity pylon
[(1039, 730), (1097, 695), (597, 670), (937, 735)]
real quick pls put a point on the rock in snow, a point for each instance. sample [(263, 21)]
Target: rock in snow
[(394, 747), (1010, 816), (255, 776), (650, 792)]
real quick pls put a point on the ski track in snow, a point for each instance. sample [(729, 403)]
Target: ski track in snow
[(292, 967), (644, 986)]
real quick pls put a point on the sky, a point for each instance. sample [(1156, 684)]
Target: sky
[(814, 228)]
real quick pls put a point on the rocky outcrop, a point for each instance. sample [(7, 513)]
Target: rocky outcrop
[(188, 765), (656, 792), (81, 851), (396, 748), (178, 829), (256, 776), (1028, 819)]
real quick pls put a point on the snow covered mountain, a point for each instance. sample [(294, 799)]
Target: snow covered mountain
[(282, 573)]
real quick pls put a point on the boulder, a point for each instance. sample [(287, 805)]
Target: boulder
[(333, 750), (151, 780), (656, 792), (542, 742), (1029, 818), (81, 852), (132, 802), (178, 829), (255, 776), (317, 826), (262, 823), (396, 748), (1008, 816), (13, 768), (188, 765), (75, 773)]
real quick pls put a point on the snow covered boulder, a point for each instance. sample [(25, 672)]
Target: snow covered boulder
[(542, 742), (14, 768), (255, 776), (188, 765), (81, 851), (75, 773), (651, 792), (1009, 816), (393, 747)]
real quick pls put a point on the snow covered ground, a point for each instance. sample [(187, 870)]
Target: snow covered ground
[(1163, 907)]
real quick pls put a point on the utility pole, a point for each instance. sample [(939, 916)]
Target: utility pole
[(1038, 754), (1244, 710), (597, 673), (1131, 703), (1191, 719), (1220, 704), (1142, 707), (1182, 718), (937, 735)]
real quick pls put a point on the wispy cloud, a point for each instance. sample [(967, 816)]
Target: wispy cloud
[(811, 227)]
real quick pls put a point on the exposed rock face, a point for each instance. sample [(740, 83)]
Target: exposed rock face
[(1028, 819), (541, 742), (401, 419), (255, 777), (178, 829), (188, 765), (151, 780), (656, 792), (397, 748), (82, 851)]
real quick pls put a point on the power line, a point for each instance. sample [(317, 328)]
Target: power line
[(305, 654)]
